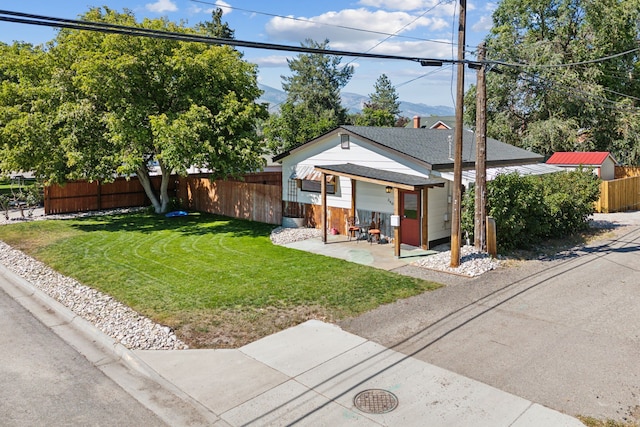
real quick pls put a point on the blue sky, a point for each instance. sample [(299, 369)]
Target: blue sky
[(426, 29)]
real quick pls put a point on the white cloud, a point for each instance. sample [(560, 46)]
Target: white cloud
[(224, 6), (161, 6), (271, 61), (484, 24), (339, 27), (400, 5)]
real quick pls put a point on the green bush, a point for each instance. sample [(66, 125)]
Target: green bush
[(529, 208)]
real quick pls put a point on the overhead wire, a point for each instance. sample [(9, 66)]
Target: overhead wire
[(41, 20), (310, 21)]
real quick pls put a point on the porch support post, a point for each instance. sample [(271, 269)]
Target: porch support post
[(425, 218), (353, 198), (397, 231), (323, 192)]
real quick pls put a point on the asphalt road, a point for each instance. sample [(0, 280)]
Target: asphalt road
[(46, 382), (564, 333)]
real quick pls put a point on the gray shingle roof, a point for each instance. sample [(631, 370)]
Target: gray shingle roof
[(383, 175), (432, 146)]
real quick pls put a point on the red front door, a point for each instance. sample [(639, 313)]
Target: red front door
[(410, 217)]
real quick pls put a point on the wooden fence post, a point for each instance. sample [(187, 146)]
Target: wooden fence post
[(492, 245)]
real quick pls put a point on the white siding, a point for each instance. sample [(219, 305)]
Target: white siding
[(439, 206), (329, 152), (608, 169)]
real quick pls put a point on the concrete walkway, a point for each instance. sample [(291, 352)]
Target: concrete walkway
[(306, 375), (361, 252)]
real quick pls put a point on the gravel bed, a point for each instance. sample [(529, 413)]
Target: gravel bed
[(283, 235), (117, 320), (472, 262)]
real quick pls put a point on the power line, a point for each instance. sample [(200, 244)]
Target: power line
[(395, 33), (570, 64), (41, 20), (309, 21)]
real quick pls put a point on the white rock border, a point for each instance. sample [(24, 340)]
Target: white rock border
[(115, 319)]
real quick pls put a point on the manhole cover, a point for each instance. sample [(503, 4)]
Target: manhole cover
[(375, 401)]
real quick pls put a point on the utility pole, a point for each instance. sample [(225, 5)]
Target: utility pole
[(480, 218), (456, 234)]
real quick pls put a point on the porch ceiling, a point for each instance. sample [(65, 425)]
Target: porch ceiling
[(381, 177)]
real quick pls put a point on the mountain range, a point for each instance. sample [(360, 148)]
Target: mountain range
[(354, 103)]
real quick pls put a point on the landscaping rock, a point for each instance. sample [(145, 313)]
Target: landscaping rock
[(118, 321)]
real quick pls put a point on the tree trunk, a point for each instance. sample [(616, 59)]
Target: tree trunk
[(143, 176), (164, 188)]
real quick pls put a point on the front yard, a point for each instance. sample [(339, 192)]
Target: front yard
[(219, 282)]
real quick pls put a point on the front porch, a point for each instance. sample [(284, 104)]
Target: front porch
[(410, 218)]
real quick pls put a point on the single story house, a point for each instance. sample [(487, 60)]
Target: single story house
[(603, 164), (385, 175)]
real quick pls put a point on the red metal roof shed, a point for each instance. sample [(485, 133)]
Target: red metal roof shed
[(577, 158)]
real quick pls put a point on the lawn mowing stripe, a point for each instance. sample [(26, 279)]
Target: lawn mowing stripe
[(163, 265), (131, 267)]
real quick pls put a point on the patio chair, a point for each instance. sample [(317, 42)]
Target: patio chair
[(374, 230), (352, 229)]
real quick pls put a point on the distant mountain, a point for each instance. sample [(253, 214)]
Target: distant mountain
[(409, 109), (354, 103)]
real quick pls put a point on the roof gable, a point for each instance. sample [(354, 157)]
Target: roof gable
[(591, 158)]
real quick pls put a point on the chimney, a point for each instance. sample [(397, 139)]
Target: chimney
[(416, 122)]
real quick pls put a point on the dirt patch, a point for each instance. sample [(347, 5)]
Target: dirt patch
[(233, 328)]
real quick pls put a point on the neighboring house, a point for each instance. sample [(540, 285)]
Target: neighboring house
[(372, 173), (603, 164), (433, 122)]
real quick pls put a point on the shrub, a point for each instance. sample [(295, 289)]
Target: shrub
[(529, 208)]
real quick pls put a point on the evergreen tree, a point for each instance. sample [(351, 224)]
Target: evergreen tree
[(313, 104), (215, 27), (383, 107)]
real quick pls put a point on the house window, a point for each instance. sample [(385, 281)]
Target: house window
[(344, 141), (314, 186)]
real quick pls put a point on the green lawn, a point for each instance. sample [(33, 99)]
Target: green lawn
[(219, 282)]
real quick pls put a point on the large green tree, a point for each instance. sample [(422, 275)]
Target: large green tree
[(383, 106), (544, 103), (111, 104), (313, 104), (27, 99)]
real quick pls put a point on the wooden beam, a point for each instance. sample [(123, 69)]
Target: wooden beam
[(425, 219), (353, 198), (382, 182), (397, 232), (323, 192)]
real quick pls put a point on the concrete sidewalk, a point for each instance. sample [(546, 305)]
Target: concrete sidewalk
[(310, 375)]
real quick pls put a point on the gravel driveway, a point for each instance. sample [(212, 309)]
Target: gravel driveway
[(564, 333)]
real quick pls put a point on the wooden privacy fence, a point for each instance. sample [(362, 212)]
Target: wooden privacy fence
[(619, 195), (236, 199), (258, 197), (83, 196), (626, 171)]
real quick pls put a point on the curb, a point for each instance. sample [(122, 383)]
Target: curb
[(89, 340)]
